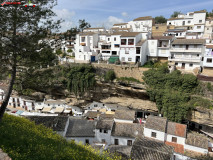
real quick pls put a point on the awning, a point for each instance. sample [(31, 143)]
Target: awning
[(39, 107), (59, 110), (67, 111), (46, 109)]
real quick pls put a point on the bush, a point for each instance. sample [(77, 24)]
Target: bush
[(23, 140), (110, 76), (209, 86)]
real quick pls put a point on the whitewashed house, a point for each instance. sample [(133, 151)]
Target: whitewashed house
[(196, 143), (86, 47), (120, 25), (208, 33), (132, 48), (124, 116), (141, 24), (178, 33), (81, 131), (124, 134), (208, 57), (192, 21), (155, 128), (187, 53), (76, 111), (103, 131)]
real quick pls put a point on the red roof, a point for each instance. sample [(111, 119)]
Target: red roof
[(177, 147)]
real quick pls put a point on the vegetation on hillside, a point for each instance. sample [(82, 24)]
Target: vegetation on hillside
[(127, 80), (23, 140), (173, 92), (78, 79)]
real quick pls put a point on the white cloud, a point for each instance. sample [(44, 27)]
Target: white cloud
[(67, 16), (124, 14), (112, 20)]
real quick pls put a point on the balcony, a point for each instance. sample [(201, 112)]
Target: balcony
[(185, 59), (197, 50)]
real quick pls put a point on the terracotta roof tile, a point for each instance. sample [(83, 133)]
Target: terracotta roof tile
[(177, 147), (176, 129)]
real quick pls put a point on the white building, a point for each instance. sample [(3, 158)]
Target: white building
[(187, 53), (192, 21), (124, 134), (103, 131), (86, 47), (95, 30), (178, 33), (208, 33), (81, 131), (141, 24)]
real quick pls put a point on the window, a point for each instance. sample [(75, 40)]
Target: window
[(105, 131), (87, 141), (129, 142), (130, 41), (207, 28), (116, 142), (198, 27), (123, 41), (95, 105), (209, 60), (105, 51), (176, 64), (200, 21), (198, 55), (103, 141), (108, 39), (117, 45), (174, 139), (129, 59), (115, 39), (100, 130), (189, 21), (170, 23), (154, 134), (83, 39), (123, 59), (190, 65)]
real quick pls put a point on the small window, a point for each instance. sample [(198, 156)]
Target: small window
[(105, 131), (130, 41), (95, 105), (176, 64), (190, 65), (198, 27), (129, 142), (129, 59), (87, 141), (207, 28), (189, 21), (108, 39), (174, 139), (198, 55), (100, 130), (200, 21), (116, 142), (103, 141), (115, 39), (209, 60), (123, 41), (154, 134)]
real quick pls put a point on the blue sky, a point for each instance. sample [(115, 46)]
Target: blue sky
[(107, 12)]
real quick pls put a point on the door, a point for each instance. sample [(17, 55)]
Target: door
[(116, 142), (183, 65), (187, 47), (137, 59)]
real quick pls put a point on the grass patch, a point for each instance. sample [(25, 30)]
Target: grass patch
[(23, 140)]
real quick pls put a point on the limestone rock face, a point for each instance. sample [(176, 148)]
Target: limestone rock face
[(4, 156)]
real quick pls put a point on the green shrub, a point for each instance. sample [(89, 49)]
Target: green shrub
[(209, 86), (23, 140), (109, 76)]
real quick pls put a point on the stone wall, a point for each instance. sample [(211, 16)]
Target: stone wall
[(208, 72), (123, 71)]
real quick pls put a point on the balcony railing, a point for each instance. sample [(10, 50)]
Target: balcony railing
[(185, 59), (185, 50)]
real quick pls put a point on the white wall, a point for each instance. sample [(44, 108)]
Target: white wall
[(101, 135), (195, 149), (180, 140), (122, 121), (161, 136), (152, 48), (122, 140), (81, 139)]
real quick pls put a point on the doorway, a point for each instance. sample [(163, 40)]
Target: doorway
[(183, 65)]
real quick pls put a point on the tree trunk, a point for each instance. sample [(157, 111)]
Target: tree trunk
[(7, 96)]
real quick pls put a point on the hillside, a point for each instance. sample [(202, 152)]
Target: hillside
[(23, 140)]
